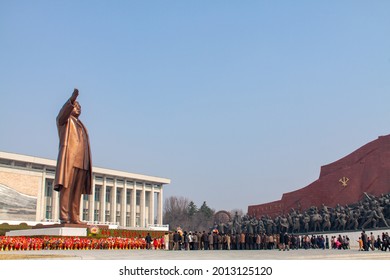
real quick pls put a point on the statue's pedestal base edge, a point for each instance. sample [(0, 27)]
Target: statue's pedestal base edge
[(55, 230)]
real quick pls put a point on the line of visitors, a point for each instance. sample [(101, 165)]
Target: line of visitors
[(370, 242), (246, 241)]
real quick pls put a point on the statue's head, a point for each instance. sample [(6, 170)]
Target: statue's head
[(76, 110)]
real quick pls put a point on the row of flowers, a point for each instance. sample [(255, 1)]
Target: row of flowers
[(101, 232), (8, 243)]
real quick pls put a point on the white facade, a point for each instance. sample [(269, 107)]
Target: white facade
[(121, 198)]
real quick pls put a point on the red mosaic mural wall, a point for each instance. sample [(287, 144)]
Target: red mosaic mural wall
[(342, 182)]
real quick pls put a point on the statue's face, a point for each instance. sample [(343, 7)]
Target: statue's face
[(76, 110)]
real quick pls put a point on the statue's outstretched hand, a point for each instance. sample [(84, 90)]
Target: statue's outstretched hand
[(74, 95)]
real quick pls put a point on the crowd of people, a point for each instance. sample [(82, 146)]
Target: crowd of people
[(214, 240), (247, 241), (370, 242)]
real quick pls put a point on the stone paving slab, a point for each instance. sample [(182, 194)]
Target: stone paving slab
[(311, 254)]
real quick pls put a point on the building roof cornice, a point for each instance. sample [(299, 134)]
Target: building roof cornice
[(96, 170)]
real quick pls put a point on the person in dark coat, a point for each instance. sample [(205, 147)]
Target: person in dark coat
[(148, 240), (286, 241), (364, 240)]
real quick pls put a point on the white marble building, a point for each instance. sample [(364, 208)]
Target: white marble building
[(119, 198)]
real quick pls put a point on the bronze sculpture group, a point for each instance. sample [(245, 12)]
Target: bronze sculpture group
[(369, 213)]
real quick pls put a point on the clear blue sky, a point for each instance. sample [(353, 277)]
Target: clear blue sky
[(237, 102)]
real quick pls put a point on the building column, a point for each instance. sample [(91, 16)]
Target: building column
[(143, 206), (113, 202), (133, 205), (103, 201), (91, 202), (56, 205), (40, 214), (151, 205), (81, 207), (160, 207), (123, 205)]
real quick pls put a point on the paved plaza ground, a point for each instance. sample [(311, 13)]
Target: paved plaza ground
[(301, 254), (122, 264)]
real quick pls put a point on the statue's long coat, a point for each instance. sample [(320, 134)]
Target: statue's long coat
[(67, 132)]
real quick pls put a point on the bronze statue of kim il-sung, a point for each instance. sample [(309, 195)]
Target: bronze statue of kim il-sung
[(74, 166)]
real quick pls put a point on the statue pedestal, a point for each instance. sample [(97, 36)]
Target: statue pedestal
[(53, 230)]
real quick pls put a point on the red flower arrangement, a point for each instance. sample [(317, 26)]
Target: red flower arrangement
[(70, 243)]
